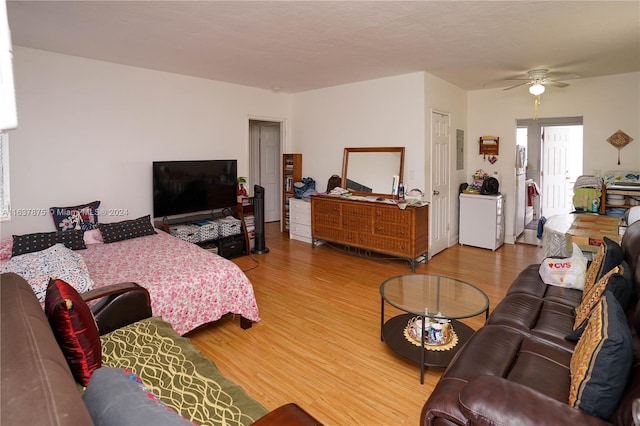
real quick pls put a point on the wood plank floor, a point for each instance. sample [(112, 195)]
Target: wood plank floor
[(318, 343)]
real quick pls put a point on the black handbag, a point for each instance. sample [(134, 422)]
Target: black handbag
[(334, 182), (490, 186)]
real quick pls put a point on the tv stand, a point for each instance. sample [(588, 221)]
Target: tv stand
[(192, 218), (211, 231)]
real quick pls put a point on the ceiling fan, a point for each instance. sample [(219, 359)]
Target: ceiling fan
[(538, 79)]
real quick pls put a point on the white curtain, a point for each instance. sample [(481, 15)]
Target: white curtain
[(4, 176)]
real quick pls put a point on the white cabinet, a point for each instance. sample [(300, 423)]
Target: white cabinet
[(300, 220), (482, 220)]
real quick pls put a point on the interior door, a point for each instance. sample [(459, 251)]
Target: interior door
[(269, 137), (561, 165), (521, 204), (441, 185)]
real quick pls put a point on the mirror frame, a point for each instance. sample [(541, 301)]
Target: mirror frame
[(390, 149)]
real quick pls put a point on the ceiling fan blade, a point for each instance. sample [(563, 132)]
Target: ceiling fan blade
[(555, 83), (541, 75), (561, 77), (517, 85)]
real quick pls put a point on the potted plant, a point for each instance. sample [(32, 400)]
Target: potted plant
[(242, 191)]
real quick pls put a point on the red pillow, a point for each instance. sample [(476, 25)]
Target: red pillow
[(75, 329)]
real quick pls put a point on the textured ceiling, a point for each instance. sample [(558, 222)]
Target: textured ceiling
[(305, 45)]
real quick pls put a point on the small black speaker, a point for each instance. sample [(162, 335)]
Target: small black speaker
[(258, 213)]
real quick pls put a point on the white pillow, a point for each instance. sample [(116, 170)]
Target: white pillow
[(92, 236), (56, 261)]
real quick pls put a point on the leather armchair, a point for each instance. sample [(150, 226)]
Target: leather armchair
[(119, 305)]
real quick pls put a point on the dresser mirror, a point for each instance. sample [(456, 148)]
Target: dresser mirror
[(372, 171)]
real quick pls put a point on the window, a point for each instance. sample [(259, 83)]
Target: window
[(4, 177)]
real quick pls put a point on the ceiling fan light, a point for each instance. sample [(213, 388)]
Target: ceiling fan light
[(536, 89)]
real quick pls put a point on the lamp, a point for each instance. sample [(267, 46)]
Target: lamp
[(536, 89)]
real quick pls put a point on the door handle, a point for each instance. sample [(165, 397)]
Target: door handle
[(436, 192)]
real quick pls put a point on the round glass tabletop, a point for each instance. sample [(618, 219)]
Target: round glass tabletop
[(434, 295)]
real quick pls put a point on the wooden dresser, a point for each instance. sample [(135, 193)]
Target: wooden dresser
[(372, 226)]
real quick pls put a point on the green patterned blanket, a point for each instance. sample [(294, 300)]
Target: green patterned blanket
[(179, 374)]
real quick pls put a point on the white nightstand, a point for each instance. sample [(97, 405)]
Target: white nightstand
[(300, 220)]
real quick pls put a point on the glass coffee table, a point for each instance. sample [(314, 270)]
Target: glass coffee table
[(429, 332)]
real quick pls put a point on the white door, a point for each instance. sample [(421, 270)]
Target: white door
[(440, 199), (561, 165), (270, 169), (521, 204)]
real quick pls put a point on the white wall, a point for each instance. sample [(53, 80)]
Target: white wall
[(392, 111), (89, 130), (382, 112), (605, 103)]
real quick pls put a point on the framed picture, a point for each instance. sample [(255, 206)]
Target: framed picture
[(489, 145)]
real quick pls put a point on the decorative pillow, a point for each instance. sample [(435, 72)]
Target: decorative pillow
[(608, 256), (29, 243), (84, 216), (75, 329), (590, 298), (93, 236), (117, 397), (56, 261), (575, 335), (601, 362), (127, 229), (619, 283)]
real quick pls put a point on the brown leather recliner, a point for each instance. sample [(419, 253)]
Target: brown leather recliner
[(37, 385), (515, 370)]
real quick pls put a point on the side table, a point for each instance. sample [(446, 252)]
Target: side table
[(429, 296)]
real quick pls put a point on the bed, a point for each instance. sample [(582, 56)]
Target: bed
[(189, 286)]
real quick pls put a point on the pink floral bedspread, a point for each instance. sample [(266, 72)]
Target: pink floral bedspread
[(189, 286)]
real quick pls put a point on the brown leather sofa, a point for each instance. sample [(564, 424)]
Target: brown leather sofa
[(37, 385), (515, 370)]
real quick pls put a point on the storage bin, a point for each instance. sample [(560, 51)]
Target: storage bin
[(209, 231), (190, 233), (229, 226)]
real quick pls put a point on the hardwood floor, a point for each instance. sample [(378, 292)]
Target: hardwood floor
[(318, 343), (529, 236)]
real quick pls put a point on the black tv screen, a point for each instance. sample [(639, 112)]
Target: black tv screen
[(181, 187)]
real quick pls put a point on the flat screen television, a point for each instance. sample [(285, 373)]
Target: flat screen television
[(181, 187)]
